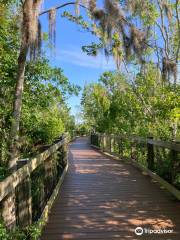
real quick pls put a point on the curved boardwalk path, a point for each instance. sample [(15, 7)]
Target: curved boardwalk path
[(107, 199)]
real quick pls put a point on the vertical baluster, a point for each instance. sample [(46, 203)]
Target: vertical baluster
[(24, 203), (8, 210), (98, 140), (150, 155), (48, 178), (112, 143), (65, 152), (121, 144), (24, 199), (100, 145), (174, 162), (133, 150), (105, 142)]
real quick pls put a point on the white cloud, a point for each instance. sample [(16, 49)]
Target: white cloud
[(79, 58)]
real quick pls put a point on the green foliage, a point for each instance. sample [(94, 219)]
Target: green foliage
[(143, 106), (4, 172), (96, 105), (8, 55), (45, 114), (141, 31), (92, 50), (147, 11), (76, 19), (32, 232), (3, 232), (82, 129)]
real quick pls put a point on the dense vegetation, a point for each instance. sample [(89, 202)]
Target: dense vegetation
[(45, 114), (143, 106), (141, 97)]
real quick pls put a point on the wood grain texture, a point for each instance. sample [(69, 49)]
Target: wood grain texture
[(8, 185), (106, 199)]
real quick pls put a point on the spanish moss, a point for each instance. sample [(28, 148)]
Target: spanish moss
[(52, 26)]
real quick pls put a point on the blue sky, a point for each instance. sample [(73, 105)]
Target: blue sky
[(78, 67)]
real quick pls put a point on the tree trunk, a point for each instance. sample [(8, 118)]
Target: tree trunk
[(29, 34), (17, 106)]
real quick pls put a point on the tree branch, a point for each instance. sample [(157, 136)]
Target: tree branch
[(162, 28), (61, 6)]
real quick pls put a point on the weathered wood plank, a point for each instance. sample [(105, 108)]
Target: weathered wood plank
[(9, 184), (105, 199), (158, 143)]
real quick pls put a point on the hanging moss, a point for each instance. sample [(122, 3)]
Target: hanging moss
[(31, 29), (112, 19), (167, 9), (35, 47), (77, 7), (92, 5), (169, 68), (52, 26)]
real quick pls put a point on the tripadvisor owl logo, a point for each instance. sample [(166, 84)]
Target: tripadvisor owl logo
[(139, 231)]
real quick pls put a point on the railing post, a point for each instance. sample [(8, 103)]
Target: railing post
[(23, 198), (101, 141), (110, 137), (48, 178), (133, 150), (24, 203), (104, 143), (122, 148), (8, 211), (118, 145), (174, 161), (150, 155), (98, 140), (111, 143), (65, 150)]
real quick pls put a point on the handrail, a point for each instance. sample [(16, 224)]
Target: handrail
[(19, 203), (147, 152), (9, 183), (159, 143)]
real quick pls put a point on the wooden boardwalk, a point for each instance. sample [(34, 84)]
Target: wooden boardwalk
[(107, 199)]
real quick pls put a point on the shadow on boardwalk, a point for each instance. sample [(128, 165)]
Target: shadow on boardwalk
[(106, 199)]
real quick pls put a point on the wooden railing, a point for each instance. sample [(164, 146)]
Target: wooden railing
[(160, 157), (24, 194)]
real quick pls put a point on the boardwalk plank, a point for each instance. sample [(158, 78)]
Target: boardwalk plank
[(105, 199)]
